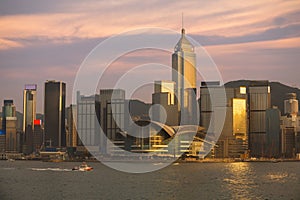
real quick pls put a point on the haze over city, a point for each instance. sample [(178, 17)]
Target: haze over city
[(44, 40)]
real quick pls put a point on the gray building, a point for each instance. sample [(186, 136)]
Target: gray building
[(273, 133), (88, 127), (54, 113), (290, 127), (259, 101)]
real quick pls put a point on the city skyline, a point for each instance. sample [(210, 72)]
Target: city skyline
[(246, 40)]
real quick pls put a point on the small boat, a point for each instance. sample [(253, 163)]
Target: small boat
[(83, 167)]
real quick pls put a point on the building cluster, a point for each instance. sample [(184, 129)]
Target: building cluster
[(177, 123)]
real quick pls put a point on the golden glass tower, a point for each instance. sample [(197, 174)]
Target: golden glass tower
[(184, 75)]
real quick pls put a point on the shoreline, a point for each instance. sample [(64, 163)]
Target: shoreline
[(208, 160)]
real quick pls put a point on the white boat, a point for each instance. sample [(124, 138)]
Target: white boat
[(83, 167)]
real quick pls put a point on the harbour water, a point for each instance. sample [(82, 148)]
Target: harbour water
[(239, 180)]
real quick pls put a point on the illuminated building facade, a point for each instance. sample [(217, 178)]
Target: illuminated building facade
[(164, 110), (184, 76), (29, 114), (233, 140), (29, 105)]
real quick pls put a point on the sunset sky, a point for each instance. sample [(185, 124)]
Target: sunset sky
[(48, 40)]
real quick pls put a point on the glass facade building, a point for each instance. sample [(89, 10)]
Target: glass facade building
[(87, 120), (184, 76), (54, 113)]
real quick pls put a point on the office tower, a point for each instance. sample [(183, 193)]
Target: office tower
[(259, 102), (9, 125), (233, 140), (37, 135), (54, 113), (29, 105), (29, 114), (290, 127), (166, 110), (9, 109), (273, 133), (88, 127), (71, 126), (112, 119), (11, 134), (184, 75)]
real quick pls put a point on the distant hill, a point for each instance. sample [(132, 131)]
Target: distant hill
[(278, 91)]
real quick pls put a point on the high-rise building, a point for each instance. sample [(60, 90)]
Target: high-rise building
[(290, 127), (88, 108), (29, 105), (71, 126), (112, 119), (233, 140), (259, 101), (9, 125), (273, 133), (29, 115), (164, 110), (184, 75), (37, 135), (54, 113)]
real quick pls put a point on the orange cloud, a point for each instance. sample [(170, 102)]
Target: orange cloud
[(7, 44)]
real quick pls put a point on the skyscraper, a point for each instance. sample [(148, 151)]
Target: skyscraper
[(259, 102), (112, 118), (29, 105), (184, 75), (9, 125), (290, 127), (87, 120), (29, 114), (54, 113), (71, 125), (233, 138)]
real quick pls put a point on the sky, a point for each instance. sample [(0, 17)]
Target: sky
[(48, 40)]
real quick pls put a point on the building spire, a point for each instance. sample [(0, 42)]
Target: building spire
[(182, 29)]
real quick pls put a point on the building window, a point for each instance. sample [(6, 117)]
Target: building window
[(242, 90)]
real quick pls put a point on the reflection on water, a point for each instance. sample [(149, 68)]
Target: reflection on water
[(281, 177), (240, 180), (253, 180)]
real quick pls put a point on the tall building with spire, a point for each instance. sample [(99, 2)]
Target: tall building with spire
[(184, 75)]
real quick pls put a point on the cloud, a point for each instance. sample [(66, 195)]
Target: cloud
[(247, 39), (7, 44)]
